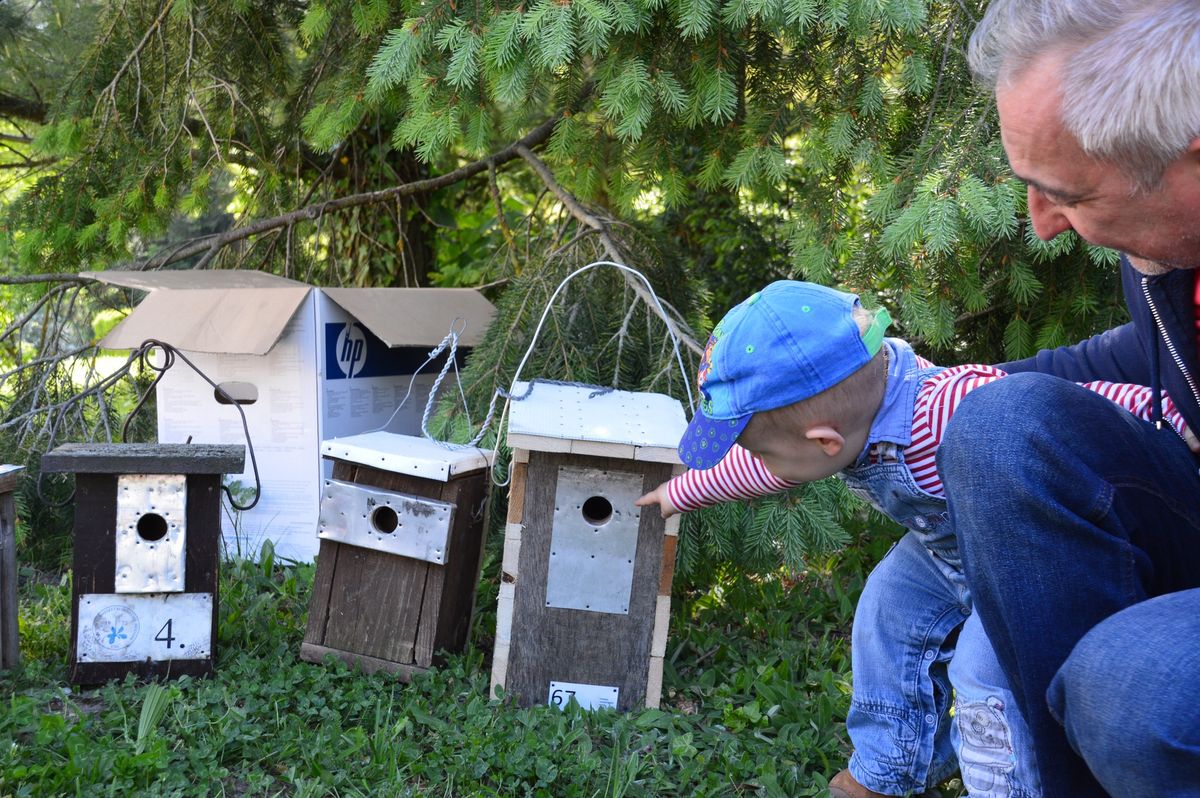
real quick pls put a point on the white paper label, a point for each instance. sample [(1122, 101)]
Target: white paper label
[(588, 696), (133, 628)]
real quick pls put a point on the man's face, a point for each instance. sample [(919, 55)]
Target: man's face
[(1068, 190)]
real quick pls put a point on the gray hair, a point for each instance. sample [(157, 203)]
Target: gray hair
[(1131, 83)]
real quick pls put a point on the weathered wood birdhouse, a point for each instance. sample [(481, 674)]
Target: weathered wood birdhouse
[(9, 646), (585, 593), (147, 553), (402, 530)]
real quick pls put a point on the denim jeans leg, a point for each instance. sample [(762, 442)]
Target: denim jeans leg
[(995, 753), (899, 713), (1129, 697), (1067, 510)]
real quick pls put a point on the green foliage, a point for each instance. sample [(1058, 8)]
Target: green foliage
[(756, 688)]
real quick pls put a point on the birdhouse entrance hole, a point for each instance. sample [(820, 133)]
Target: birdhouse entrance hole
[(597, 511), (385, 520), (152, 527)]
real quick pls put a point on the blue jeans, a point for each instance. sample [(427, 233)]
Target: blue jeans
[(915, 645), (1120, 664), (1068, 510)]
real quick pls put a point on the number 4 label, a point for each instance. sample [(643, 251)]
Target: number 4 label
[(164, 634)]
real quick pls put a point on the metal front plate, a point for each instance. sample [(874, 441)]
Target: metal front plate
[(592, 557), (157, 503), (124, 628), (360, 516)]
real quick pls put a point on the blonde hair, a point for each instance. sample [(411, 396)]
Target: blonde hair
[(849, 403)]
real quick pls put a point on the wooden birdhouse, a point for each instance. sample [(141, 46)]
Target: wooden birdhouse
[(402, 531), (585, 593), (147, 553), (9, 646)]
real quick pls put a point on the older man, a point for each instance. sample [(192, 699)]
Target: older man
[(1080, 526)]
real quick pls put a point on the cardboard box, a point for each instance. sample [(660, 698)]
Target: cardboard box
[(318, 362)]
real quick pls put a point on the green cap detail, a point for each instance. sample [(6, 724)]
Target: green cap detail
[(873, 335)]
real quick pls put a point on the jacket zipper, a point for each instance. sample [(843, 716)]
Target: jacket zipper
[(1158, 324)]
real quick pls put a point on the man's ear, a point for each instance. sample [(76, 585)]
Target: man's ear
[(829, 439)]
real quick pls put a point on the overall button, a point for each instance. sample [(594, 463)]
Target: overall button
[(920, 523)]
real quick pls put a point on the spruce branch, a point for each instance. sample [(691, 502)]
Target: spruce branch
[(676, 323), (214, 243)]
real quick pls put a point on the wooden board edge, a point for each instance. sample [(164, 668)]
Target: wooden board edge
[(310, 652)]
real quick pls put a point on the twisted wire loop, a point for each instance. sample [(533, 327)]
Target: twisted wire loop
[(451, 342)]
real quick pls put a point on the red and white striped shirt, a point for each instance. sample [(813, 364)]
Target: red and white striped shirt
[(741, 475)]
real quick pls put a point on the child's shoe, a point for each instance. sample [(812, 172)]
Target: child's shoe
[(843, 785)]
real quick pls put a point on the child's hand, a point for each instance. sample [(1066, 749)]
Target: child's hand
[(658, 496)]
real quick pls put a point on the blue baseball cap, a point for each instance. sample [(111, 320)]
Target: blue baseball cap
[(786, 343)]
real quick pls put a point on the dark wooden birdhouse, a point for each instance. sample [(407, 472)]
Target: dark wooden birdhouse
[(147, 553), (9, 646), (585, 593), (402, 532)]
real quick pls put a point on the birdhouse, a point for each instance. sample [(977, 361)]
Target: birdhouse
[(585, 593), (401, 536), (147, 552), (9, 646)]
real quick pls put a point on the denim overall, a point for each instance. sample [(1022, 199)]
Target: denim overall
[(914, 637)]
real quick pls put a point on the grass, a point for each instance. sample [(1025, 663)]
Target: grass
[(755, 694)]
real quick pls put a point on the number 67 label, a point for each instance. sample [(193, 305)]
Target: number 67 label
[(588, 696), (155, 626)]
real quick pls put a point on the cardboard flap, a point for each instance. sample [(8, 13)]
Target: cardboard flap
[(190, 279), (417, 316), (242, 321)]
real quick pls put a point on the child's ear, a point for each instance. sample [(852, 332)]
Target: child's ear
[(829, 439)]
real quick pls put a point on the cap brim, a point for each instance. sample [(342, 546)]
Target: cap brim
[(707, 440)]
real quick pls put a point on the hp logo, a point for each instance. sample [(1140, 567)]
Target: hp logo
[(351, 349)]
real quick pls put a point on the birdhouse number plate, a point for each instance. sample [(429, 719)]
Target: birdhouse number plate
[(593, 545), (131, 628), (383, 520)]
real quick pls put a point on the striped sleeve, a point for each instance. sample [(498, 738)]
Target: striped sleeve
[(935, 404), (941, 394), (1138, 399), (740, 475)]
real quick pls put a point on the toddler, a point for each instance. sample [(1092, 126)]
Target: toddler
[(798, 383)]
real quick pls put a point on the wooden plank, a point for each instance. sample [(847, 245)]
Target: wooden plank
[(654, 683), (510, 565), (145, 458), (671, 527), (667, 575), (10, 650), (516, 493), (322, 592), (376, 604), (456, 599), (662, 622), (499, 667), (520, 455), (622, 451), (310, 652), (10, 477), (657, 454), (550, 643), (537, 443), (504, 612)]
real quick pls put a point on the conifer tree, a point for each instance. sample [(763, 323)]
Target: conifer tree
[(713, 144)]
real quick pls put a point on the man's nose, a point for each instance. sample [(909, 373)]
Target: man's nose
[(1048, 221)]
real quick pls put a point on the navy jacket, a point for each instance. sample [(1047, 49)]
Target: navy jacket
[(1142, 352)]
